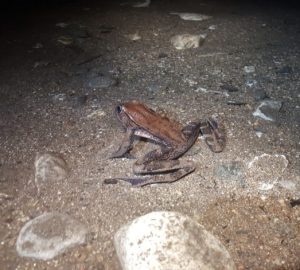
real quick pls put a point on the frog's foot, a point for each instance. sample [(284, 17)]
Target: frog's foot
[(214, 135)]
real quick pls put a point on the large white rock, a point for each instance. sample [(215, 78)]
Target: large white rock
[(169, 241), (49, 235)]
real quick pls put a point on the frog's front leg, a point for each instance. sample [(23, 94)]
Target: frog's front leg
[(126, 144)]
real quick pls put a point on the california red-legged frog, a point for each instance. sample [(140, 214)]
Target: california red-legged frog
[(141, 121)]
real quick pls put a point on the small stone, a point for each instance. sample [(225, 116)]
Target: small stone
[(251, 83), (268, 109), (157, 86), (101, 81), (249, 69), (187, 41), (134, 37), (49, 168), (285, 70), (58, 97), (259, 94), (49, 235), (191, 16), (169, 240), (65, 40), (146, 3), (265, 186), (229, 88), (212, 27), (230, 172)]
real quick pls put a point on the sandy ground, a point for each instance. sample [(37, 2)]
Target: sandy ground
[(46, 104)]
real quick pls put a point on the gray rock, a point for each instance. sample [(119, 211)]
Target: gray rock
[(268, 109), (231, 172), (259, 94), (49, 235), (169, 240), (191, 16), (101, 81)]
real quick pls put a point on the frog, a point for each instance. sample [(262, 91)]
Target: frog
[(162, 165)]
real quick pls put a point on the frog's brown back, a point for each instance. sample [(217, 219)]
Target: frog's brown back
[(155, 123)]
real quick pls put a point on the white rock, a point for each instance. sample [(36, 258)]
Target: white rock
[(49, 167), (265, 186), (191, 16), (49, 235), (267, 166), (249, 69), (169, 241), (187, 41)]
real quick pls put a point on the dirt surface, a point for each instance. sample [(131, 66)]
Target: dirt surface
[(47, 105)]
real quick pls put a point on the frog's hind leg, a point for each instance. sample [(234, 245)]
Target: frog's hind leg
[(175, 170), (214, 135)]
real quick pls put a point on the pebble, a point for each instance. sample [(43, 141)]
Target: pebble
[(249, 69), (187, 41), (146, 3), (268, 109), (259, 94), (134, 37), (65, 40), (251, 83), (101, 81), (191, 16), (265, 186), (49, 235), (230, 172), (285, 70), (169, 240), (49, 168), (59, 97)]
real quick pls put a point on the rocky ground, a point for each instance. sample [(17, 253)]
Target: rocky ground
[(63, 70)]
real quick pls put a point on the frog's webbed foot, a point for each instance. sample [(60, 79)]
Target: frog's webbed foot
[(175, 169), (214, 135)]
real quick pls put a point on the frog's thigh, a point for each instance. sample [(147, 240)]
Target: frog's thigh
[(161, 166)]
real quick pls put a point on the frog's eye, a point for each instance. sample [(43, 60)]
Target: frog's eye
[(119, 109)]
